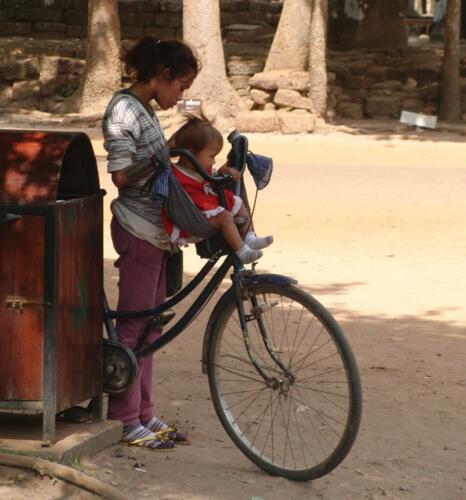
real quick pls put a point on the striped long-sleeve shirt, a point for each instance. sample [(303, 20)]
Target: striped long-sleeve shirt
[(132, 136)]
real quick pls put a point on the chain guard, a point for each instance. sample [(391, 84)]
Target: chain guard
[(120, 367)]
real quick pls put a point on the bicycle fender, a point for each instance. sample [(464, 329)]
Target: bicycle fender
[(276, 279)]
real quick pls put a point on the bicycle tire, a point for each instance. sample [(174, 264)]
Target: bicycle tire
[(226, 350)]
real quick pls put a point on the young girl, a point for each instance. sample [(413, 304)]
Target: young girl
[(162, 71), (200, 138)]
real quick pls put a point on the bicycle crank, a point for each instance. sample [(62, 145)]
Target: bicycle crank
[(120, 367)]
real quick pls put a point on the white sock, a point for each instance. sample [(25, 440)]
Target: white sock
[(247, 255), (257, 243)]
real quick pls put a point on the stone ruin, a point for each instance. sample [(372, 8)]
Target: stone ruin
[(363, 83)]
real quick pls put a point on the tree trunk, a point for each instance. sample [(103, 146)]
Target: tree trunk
[(317, 57), (290, 47), (102, 71), (201, 30), (450, 102)]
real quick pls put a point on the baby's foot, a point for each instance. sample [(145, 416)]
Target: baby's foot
[(247, 255), (257, 243)]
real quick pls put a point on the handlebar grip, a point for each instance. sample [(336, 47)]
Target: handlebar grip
[(239, 149)]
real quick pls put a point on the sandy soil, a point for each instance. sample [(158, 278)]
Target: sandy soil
[(372, 226)]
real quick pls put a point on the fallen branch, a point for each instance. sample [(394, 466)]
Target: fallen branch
[(54, 470)]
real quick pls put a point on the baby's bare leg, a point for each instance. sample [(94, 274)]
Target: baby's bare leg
[(224, 221), (246, 221), (247, 232)]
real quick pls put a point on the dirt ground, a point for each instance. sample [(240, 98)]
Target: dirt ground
[(373, 225)]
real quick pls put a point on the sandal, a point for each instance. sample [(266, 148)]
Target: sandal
[(159, 445), (174, 435)]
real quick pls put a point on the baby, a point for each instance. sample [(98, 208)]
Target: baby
[(204, 141)]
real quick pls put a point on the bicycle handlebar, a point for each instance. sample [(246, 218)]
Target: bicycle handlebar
[(217, 179), (239, 150)]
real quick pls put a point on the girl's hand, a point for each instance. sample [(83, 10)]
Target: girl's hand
[(126, 177), (226, 170)]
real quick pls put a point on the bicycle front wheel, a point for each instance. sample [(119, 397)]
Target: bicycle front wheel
[(302, 421)]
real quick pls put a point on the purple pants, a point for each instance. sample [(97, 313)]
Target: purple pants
[(141, 286)]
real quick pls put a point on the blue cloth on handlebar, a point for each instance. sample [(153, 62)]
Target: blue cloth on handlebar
[(261, 168)]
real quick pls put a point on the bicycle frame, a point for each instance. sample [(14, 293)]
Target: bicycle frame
[(238, 284), (230, 261)]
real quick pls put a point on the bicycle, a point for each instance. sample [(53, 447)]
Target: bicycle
[(284, 382)]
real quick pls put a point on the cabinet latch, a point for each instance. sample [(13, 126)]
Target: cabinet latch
[(19, 303)]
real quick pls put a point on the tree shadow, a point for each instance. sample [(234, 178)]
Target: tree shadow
[(40, 167)]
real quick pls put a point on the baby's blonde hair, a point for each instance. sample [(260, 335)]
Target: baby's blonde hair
[(196, 134)]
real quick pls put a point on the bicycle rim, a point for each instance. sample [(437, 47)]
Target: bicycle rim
[(300, 427)]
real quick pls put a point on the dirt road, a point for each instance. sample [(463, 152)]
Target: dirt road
[(374, 227)]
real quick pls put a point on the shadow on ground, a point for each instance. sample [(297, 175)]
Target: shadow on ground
[(411, 440), (390, 129)]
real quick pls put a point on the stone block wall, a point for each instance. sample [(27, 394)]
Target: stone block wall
[(361, 84), (378, 84), (39, 75), (60, 19)]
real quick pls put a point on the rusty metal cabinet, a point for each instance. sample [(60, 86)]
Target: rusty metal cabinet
[(51, 269)]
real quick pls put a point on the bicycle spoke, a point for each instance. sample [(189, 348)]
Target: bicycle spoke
[(324, 414), (242, 391), (318, 361), (302, 441), (321, 393), (241, 374), (238, 381), (304, 336), (244, 361), (330, 370), (292, 353), (240, 356), (250, 425), (287, 440), (312, 352), (316, 434), (262, 420), (247, 407), (250, 396), (260, 357), (285, 334), (272, 419)]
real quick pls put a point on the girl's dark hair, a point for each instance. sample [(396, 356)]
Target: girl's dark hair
[(150, 55), (196, 133)]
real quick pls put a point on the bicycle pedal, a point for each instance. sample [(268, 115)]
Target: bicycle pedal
[(163, 318)]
